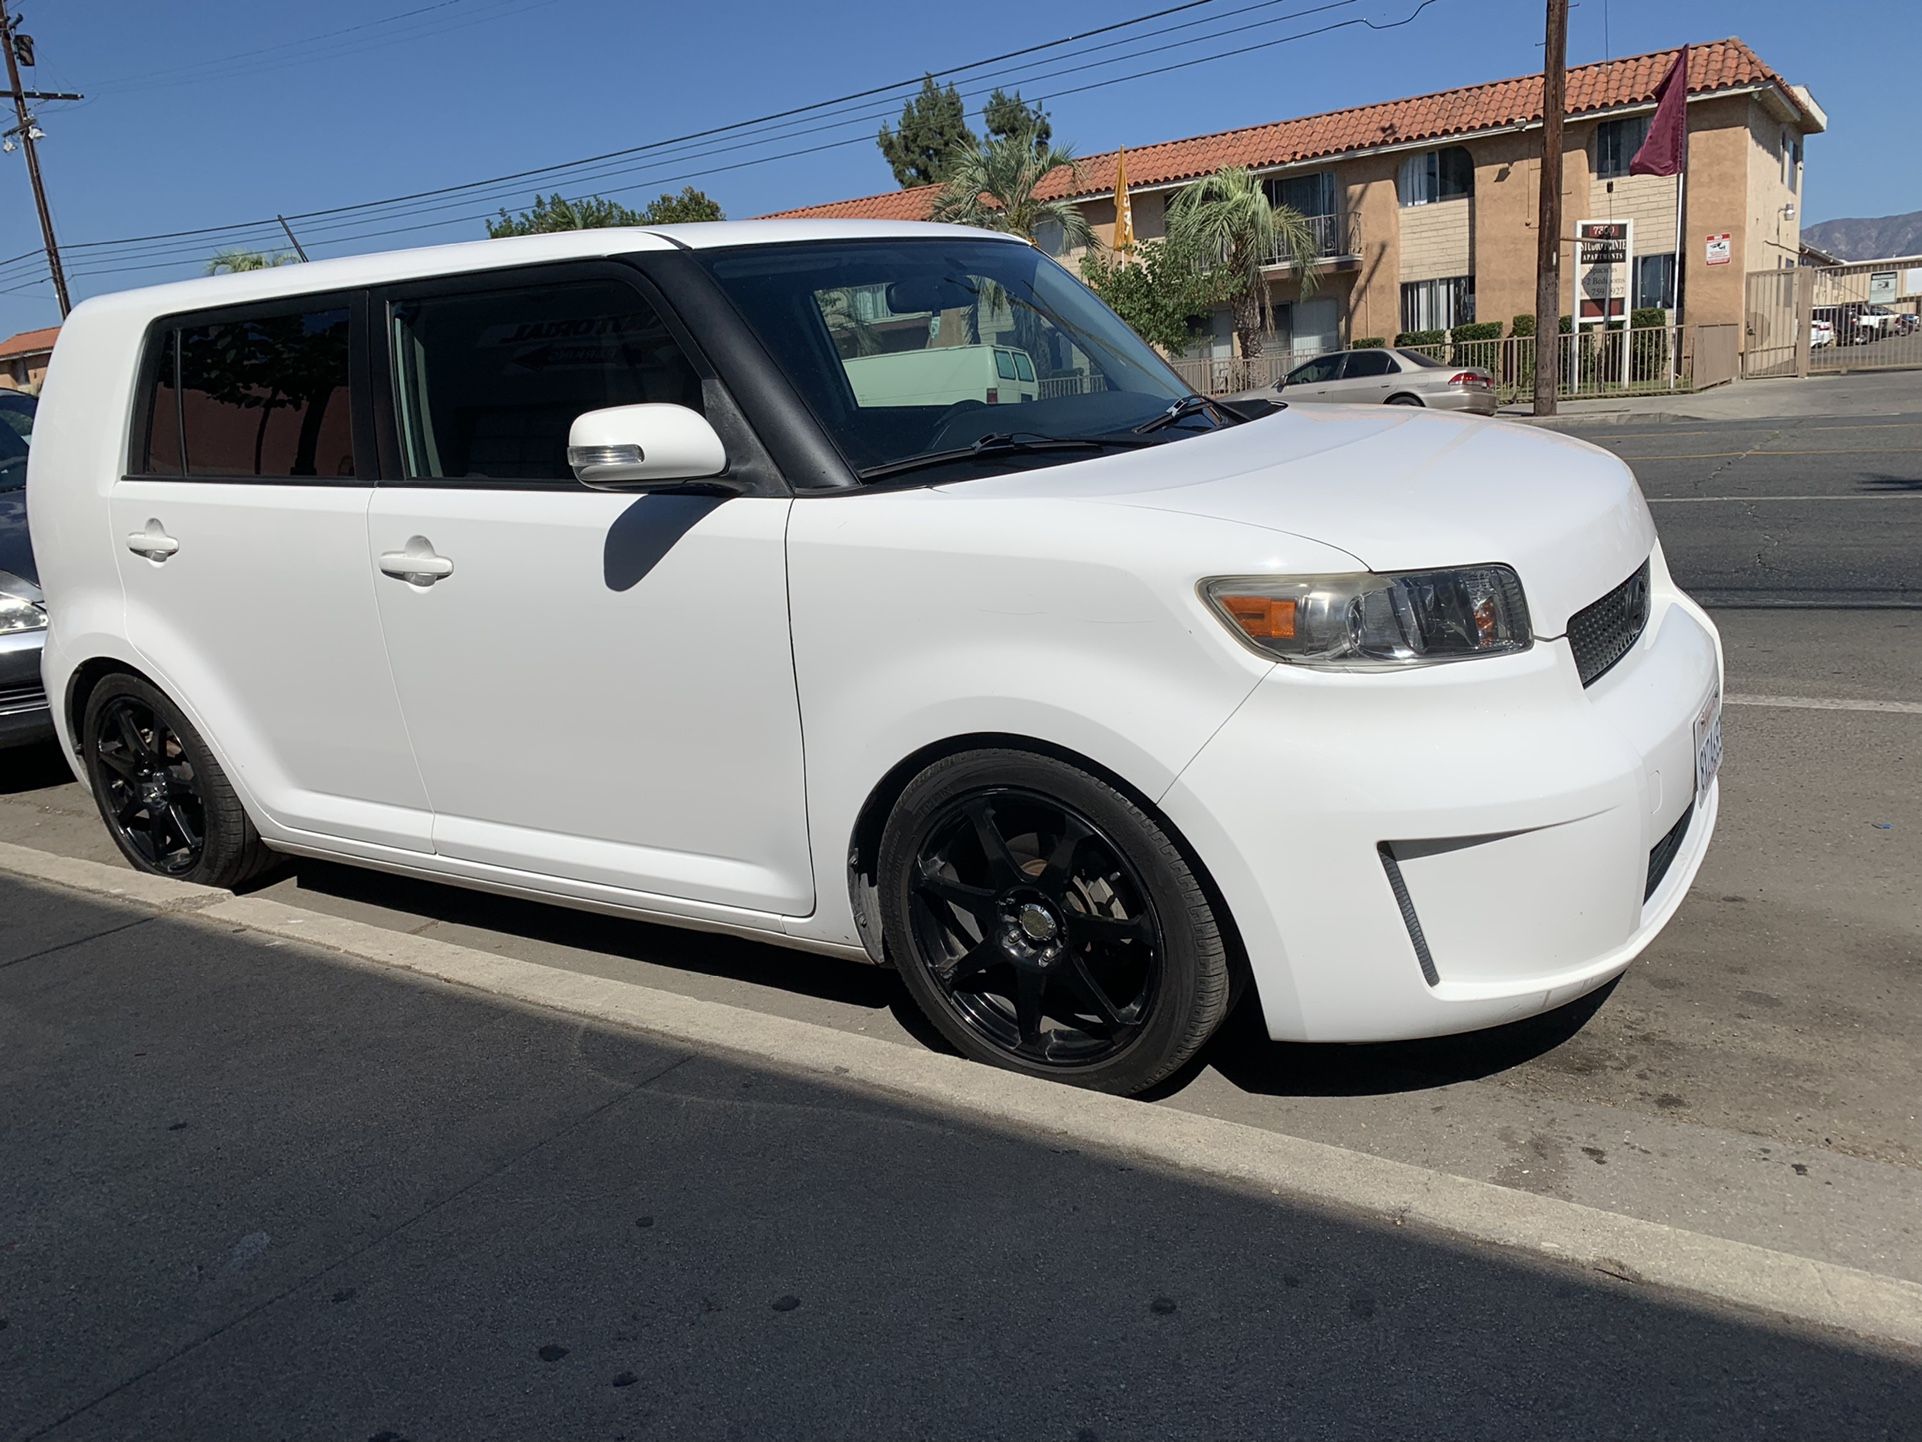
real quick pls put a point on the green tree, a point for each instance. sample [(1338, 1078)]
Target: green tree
[(1006, 115), (933, 125), (1229, 217), (993, 184), (592, 212), (233, 262), (1161, 291)]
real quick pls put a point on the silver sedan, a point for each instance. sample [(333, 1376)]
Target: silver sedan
[(1382, 375)]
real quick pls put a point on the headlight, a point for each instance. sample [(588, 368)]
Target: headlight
[(1370, 622), (20, 608)]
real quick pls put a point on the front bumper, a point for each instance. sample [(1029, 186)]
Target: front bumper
[(1519, 809), (24, 715)]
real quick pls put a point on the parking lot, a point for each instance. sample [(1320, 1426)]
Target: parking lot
[(1752, 1076)]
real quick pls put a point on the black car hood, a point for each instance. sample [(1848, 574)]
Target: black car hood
[(16, 552)]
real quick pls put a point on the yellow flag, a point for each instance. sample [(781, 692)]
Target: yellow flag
[(1124, 211)]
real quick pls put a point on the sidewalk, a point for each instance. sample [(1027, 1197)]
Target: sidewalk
[(1864, 393), (253, 1189)]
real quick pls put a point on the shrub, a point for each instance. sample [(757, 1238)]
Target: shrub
[(1522, 325), (1367, 342), (1644, 316), (1422, 337), (1480, 330)]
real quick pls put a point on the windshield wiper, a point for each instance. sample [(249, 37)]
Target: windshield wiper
[(1188, 405), (1003, 443)]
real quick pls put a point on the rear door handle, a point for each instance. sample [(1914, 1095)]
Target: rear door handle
[(153, 543), (418, 564)]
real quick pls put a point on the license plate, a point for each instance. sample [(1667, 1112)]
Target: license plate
[(1708, 741)]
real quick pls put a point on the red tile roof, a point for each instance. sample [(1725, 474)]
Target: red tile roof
[(1718, 65), (29, 342)]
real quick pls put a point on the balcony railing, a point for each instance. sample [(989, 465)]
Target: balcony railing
[(1333, 237)]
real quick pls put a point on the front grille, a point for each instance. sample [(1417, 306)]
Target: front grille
[(1661, 856), (19, 698), (1602, 633)]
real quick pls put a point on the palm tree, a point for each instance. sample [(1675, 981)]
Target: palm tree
[(993, 185), (232, 262), (1229, 214)]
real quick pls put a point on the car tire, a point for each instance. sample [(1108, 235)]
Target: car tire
[(165, 799), (1404, 400), (1017, 891)]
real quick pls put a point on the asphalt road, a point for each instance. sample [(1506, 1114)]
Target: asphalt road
[(256, 1190), (1752, 1076)]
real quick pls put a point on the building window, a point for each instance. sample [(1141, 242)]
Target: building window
[(1791, 158), (1437, 304), (1655, 280), (1436, 175), (1616, 142)]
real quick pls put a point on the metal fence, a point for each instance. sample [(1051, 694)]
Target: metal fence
[(1824, 320), (1642, 361)]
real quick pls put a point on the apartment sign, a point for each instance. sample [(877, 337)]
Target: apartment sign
[(1718, 249), (1604, 251)]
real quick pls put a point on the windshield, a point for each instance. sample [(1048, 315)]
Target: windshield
[(906, 350)]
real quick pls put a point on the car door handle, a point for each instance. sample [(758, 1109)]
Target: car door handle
[(421, 567), (153, 543)]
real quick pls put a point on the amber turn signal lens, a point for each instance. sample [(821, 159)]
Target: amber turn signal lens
[(1263, 618)]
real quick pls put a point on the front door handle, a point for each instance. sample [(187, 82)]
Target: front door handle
[(153, 543), (417, 563)]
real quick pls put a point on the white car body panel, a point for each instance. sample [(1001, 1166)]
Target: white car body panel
[(770, 667), (651, 741)]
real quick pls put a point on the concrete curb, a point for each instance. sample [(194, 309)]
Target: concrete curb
[(1631, 1250)]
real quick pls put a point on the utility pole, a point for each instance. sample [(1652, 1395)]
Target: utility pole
[(21, 95), (1548, 238)]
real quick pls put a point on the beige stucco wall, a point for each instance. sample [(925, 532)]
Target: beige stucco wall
[(1773, 238), (1374, 296), (1719, 146), (1437, 240)]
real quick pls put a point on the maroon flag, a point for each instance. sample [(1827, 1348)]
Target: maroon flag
[(1665, 152)]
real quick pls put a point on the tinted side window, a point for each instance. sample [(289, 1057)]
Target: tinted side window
[(1321, 368), (1362, 363), (162, 452), (266, 396), (488, 384)]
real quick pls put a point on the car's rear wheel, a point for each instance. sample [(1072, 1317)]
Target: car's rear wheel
[(1046, 924), (1403, 400), (167, 804)]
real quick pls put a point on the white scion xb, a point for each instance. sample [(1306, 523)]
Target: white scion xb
[(574, 567)]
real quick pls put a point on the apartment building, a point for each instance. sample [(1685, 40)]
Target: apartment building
[(1425, 209), (24, 357)]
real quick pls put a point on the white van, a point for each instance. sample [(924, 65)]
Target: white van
[(530, 565), (944, 375)]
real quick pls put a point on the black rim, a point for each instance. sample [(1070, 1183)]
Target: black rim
[(1035, 927), (152, 794)]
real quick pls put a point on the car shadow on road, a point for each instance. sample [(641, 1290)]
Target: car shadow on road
[(1244, 1055), (702, 953), (1241, 1052)]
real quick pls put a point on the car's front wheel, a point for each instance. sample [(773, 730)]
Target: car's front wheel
[(1047, 924), (166, 802)]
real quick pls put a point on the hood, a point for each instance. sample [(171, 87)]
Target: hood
[(16, 555), (1400, 489)]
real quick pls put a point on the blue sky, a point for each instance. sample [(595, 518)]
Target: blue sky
[(365, 99)]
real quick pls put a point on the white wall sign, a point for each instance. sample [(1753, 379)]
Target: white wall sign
[(1882, 287), (1718, 249), (1604, 261)]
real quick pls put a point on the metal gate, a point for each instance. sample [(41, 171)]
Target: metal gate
[(1824, 320)]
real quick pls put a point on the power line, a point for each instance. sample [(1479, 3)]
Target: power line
[(691, 136), (342, 229)]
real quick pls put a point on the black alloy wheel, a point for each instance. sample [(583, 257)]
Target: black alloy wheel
[(152, 796), (165, 799), (1048, 925)]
